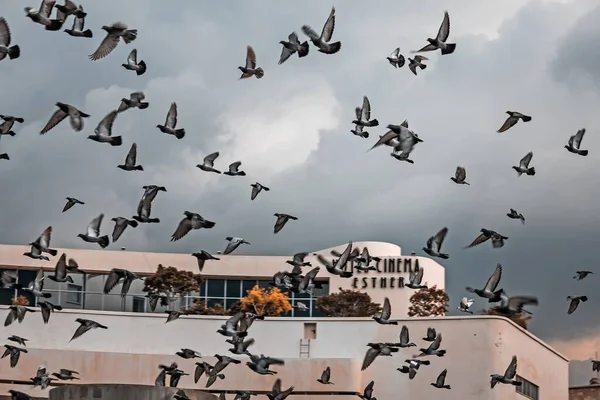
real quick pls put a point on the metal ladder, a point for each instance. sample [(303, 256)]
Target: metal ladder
[(304, 348)]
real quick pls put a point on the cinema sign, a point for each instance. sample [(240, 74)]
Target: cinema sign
[(388, 266)]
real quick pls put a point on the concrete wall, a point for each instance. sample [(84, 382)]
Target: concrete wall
[(122, 392), (134, 344), (584, 393)]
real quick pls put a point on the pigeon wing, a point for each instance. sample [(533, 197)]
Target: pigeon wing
[(478, 240), (93, 229), (132, 57), (418, 276), (83, 328), (461, 174), (209, 160), (112, 280), (109, 43), (444, 30), (285, 54), (511, 371), (250, 58), (366, 109), (118, 230), (439, 238), (78, 23), (404, 338), (310, 32), (293, 38), (573, 306), (325, 376), (395, 53), (578, 137), (384, 139), (171, 120), (436, 343), (329, 26), (386, 312), (493, 281), (46, 8), (341, 262), (234, 167), (4, 34), (254, 192), (60, 270), (104, 128), (370, 356), (509, 123), (524, 163), (441, 378), (280, 223), (515, 303), (54, 120), (45, 237), (38, 283), (132, 155), (185, 225), (368, 391)]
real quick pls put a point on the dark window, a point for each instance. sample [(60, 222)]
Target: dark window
[(233, 288), (212, 302), (323, 291), (73, 294), (26, 277), (264, 284), (230, 302), (316, 312), (302, 313), (6, 295), (301, 296), (216, 288), (203, 289), (247, 285), (139, 304), (527, 388)]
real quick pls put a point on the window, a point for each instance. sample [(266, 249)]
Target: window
[(233, 288), (139, 304), (74, 294), (216, 288), (527, 389)]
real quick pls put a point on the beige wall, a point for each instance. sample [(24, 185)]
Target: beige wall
[(134, 344), (238, 267)]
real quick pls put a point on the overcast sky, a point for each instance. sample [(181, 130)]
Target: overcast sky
[(291, 130)]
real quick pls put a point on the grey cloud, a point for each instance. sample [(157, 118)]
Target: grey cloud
[(291, 132)]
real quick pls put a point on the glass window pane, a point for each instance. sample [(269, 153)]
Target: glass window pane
[(6, 295), (247, 285), (203, 288), (316, 312), (302, 313), (233, 288), (73, 294), (216, 287), (26, 277), (264, 284), (230, 302), (301, 296), (323, 291), (212, 302), (138, 304)]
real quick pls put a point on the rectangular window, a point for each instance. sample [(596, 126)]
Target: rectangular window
[(215, 288), (74, 294), (247, 285), (527, 389), (139, 304), (233, 288)]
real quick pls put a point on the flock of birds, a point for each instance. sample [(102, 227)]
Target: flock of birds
[(399, 137)]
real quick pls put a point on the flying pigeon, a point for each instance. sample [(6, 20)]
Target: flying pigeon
[(12, 118), (114, 33), (575, 300), (261, 364), (65, 374), (18, 313), (250, 69), (276, 392), (130, 160), (103, 132), (36, 286), (209, 162), (513, 118), (337, 267), (133, 65), (188, 353), (42, 243), (440, 40), (396, 59), (383, 318), (70, 8), (298, 260), (234, 243), (292, 46), (42, 16), (375, 350), (14, 353), (431, 335), (322, 42), (85, 325), (71, 201), (282, 219), (513, 214), (489, 290), (582, 274), (18, 339), (134, 101), (234, 169), (145, 205), (523, 167), (514, 305), (509, 375), (75, 117), (256, 189), (117, 275), (47, 308), (415, 280), (367, 393), (413, 63), (5, 39), (408, 369), (573, 146), (459, 176), (325, 377), (465, 305), (60, 270), (79, 25), (202, 257), (485, 235), (191, 221), (359, 130), (93, 233), (171, 123), (432, 350), (6, 128), (404, 339), (201, 368), (441, 380), (434, 244), (363, 115)]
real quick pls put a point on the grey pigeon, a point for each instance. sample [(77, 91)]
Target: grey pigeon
[(417, 62), (47, 308), (103, 132), (459, 176), (383, 318), (202, 257), (133, 64), (433, 349), (282, 219), (60, 270), (5, 48), (359, 130), (71, 201), (36, 286), (434, 244), (188, 353), (574, 302), (261, 364), (6, 128), (209, 162), (509, 375), (231, 326), (582, 274), (523, 167), (510, 306), (171, 123), (513, 214), (12, 118), (574, 141), (114, 33), (93, 233), (367, 393), (292, 46), (117, 275), (431, 335), (14, 353), (298, 260), (465, 305), (404, 339), (408, 369), (250, 69), (191, 221), (278, 394), (201, 368), (489, 290), (363, 114), (376, 350), (84, 326), (144, 206), (4, 156), (66, 110), (256, 189), (18, 313), (42, 243), (36, 253), (485, 235), (16, 395), (8, 280), (18, 339), (595, 365), (240, 346), (130, 160), (396, 59), (440, 382), (325, 377), (42, 16), (234, 169), (513, 118), (440, 40), (222, 363), (65, 374), (134, 101), (70, 8), (322, 42), (415, 280), (336, 267), (77, 30)]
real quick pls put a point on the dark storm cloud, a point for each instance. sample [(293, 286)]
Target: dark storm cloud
[(291, 132)]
